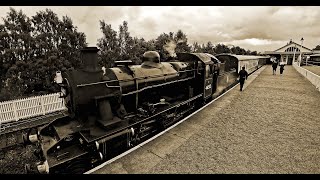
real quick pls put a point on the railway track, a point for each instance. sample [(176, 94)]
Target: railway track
[(10, 127), (215, 97), (11, 133), (16, 129)]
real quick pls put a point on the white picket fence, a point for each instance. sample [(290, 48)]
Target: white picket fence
[(30, 107), (312, 77)]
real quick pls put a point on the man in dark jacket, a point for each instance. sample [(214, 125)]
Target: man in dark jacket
[(243, 75), (274, 67), (281, 68)]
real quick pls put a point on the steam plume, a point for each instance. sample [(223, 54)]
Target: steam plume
[(170, 48)]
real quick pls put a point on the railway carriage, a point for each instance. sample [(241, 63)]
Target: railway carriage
[(231, 64), (251, 63)]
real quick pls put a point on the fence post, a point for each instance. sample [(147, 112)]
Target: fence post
[(15, 111), (42, 105)]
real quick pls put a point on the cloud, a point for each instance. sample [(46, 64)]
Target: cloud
[(255, 28)]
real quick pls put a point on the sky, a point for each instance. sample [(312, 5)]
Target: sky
[(257, 28)]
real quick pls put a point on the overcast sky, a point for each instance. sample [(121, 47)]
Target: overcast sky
[(260, 28)]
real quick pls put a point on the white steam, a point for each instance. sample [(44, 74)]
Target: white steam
[(170, 48)]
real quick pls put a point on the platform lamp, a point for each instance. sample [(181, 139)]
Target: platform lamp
[(301, 51)]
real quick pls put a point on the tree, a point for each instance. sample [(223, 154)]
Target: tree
[(160, 43), (209, 48), (254, 53), (57, 45), (109, 45), (221, 48), (72, 42), (16, 48), (195, 47), (125, 41), (139, 47), (317, 47), (33, 49), (181, 40)]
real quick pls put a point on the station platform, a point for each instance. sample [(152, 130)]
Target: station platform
[(273, 126)]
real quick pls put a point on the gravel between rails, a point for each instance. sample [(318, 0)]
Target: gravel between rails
[(13, 161), (270, 127)]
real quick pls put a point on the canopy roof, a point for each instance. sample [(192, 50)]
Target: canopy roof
[(243, 57)]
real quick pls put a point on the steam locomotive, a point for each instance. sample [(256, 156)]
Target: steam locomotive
[(112, 110)]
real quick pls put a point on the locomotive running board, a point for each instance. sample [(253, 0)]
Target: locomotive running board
[(157, 135)]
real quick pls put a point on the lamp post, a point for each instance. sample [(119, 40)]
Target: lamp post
[(294, 53), (301, 51)]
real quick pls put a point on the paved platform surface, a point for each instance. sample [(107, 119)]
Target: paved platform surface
[(273, 126)]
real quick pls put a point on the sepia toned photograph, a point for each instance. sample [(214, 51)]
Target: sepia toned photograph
[(159, 90)]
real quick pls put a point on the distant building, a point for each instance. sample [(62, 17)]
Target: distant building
[(314, 59), (290, 53)]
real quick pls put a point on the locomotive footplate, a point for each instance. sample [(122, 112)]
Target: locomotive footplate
[(95, 133)]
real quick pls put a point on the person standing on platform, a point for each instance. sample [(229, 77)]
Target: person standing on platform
[(281, 68), (274, 67), (243, 75)]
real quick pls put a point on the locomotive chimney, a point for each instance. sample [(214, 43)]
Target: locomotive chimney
[(89, 59)]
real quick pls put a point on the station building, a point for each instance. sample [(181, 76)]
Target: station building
[(291, 52)]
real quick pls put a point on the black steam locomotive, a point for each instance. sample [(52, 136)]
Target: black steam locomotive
[(114, 109)]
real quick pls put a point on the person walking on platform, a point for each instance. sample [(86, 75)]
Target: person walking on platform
[(274, 67), (281, 68), (243, 75)]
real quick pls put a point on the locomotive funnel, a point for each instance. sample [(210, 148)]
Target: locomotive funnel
[(89, 59)]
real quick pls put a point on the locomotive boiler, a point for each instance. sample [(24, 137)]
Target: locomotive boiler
[(113, 109)]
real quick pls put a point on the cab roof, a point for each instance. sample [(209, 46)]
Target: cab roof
[(242, 57)]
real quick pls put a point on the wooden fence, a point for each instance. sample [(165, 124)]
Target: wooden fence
[(30, 107)]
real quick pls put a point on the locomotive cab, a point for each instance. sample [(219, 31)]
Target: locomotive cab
[(207, 71)]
